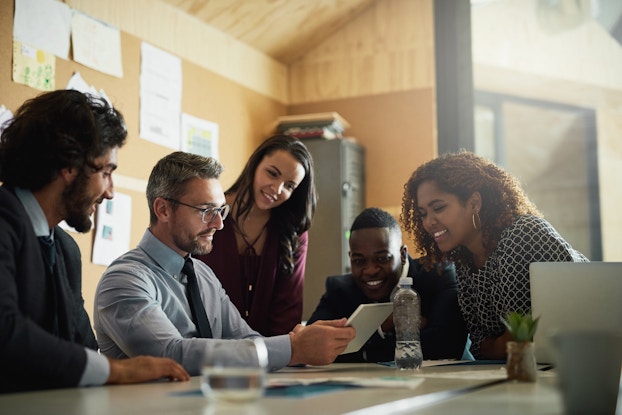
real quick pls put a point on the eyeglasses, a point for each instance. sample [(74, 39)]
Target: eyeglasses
[(207, 214)]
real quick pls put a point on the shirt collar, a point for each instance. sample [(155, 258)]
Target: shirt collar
[(166, 257), (34, 212)]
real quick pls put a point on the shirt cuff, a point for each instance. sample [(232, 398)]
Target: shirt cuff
[(279, 351), (96, 371)]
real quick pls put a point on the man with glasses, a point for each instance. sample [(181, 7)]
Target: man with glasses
[(157, 300), (57, 157)]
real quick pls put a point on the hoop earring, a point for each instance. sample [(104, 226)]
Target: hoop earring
[(405, 269), (477, 226)]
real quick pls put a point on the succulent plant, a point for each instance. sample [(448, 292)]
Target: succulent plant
[(522, 327)]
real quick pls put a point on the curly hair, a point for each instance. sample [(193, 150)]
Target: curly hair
[(462, 174), (56, 130), (295, 215)]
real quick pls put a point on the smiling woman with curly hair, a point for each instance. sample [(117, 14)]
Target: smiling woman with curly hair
[(463, 208)]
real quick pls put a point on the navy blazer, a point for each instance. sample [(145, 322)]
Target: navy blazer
[(444, 336), (42, 340)]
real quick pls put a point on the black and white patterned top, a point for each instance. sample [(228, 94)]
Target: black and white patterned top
[(502, 284)]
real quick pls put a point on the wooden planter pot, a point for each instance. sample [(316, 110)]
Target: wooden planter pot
[(521, 363)]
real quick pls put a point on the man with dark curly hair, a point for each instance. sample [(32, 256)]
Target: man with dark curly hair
[(463, 208), (56, 161)]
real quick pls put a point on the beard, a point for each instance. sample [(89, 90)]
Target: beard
[(78, 204), (192, 246)]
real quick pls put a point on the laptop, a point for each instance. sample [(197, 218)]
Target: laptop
[(574, 295)]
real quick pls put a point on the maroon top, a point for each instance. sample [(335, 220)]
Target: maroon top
[(269, 301)]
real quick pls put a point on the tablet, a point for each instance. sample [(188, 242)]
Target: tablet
[(366, 319)]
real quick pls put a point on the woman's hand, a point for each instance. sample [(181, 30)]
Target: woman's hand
[(495, 347)]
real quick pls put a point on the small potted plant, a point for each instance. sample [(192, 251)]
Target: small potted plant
[(521, 362)]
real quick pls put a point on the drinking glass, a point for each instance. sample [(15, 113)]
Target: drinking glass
[(235, 371)]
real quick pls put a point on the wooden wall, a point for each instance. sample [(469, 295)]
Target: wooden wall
[(378, 73), (389, 48), (397, 131)]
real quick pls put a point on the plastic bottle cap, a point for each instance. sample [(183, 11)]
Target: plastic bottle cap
[(406, 281)]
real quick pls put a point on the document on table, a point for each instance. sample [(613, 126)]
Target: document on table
[(373, 382)]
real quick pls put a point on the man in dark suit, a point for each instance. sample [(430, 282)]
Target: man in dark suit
[(56, 161), (378, 259)]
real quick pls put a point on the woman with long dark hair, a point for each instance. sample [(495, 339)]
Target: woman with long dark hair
[(260, 254)]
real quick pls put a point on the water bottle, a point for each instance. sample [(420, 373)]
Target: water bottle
[(406, 317)]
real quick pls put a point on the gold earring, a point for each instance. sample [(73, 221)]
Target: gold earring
[(479, 221)]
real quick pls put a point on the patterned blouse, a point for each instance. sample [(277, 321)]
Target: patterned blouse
[(502, 284)]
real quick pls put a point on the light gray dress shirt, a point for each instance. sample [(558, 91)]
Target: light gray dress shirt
[(141, 309)]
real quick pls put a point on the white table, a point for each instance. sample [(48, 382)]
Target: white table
[(446, 389)]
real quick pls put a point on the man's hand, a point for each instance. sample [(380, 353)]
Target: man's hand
[(321, 342), (144, 368)]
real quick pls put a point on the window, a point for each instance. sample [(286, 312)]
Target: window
[(551, 148)]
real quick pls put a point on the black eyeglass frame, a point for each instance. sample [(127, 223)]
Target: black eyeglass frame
[(223, 210)]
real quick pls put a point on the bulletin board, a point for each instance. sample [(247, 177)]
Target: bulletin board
[(242, 115)]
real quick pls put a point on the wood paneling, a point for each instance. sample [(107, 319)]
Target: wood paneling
[(372, 47), (283, 29), (389, 48), (398, 133)]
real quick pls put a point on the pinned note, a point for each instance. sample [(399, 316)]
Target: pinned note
[(33, 67)]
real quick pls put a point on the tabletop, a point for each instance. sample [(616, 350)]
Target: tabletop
[(437, 388)]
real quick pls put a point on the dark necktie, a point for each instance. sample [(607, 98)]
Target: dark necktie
[(194, 298), (47, 245), (49, 252)]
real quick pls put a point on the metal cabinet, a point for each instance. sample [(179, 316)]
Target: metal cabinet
[(340, 183)]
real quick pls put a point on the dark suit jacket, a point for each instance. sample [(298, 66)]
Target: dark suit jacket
[(444, 336), (36, 352)]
